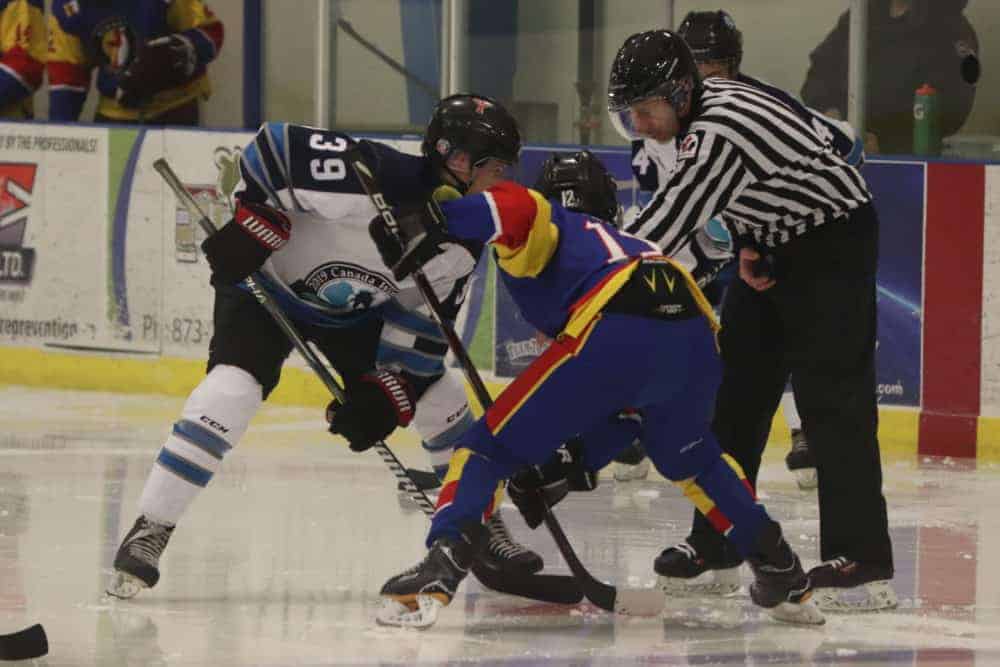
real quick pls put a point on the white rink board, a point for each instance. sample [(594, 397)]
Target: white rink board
[(200, 159), (56, 185), (63, 213), (990, 376)]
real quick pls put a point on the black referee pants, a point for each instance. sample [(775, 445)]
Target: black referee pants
[(819, 324)]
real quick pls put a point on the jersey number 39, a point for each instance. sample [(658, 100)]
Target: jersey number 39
[(330, 168)]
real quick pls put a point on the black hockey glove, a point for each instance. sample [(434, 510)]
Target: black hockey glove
[(550, 482), (245, 242), (421, 237), (376, 404), (162, 63)]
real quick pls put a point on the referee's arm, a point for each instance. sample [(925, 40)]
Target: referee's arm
[(710, 173)]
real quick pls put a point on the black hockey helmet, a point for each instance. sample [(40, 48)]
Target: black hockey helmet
[(713, 37), (476, 124), (655, 63), (581, 183)]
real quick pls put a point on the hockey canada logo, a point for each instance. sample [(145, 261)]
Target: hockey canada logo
[(689, 147), (17, 181), (349, 288)]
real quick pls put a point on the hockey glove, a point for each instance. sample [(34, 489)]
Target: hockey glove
[(550, 482), (162, 63), (421, 236), (376, 405), (245, 242)]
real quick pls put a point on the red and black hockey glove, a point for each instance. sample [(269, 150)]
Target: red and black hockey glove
[(550, 482), (245, 242), (376, 404), (162, 63)]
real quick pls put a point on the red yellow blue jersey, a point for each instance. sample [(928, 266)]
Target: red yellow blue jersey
[(85, 34), (22, 55), (561, 267)]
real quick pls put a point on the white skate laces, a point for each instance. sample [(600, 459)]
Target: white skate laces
[(501, 543), (148, 544)]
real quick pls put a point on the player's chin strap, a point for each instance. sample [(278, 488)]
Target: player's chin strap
[(642, 602), (545, 588)]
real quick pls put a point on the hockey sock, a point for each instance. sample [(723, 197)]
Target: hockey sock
[(722, 493), (214, 418), (441, 447), (442, 417)]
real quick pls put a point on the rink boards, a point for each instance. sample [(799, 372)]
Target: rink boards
[(103, 286)]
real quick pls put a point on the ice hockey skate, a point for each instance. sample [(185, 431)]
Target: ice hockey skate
[(414, 597), (845, 585), (801, 462), (501, 552), (138, 558), (631, 464), (780, 585), (684, 571)]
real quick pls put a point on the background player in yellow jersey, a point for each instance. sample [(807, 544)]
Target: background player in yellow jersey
[(150, 55), (22, 54)]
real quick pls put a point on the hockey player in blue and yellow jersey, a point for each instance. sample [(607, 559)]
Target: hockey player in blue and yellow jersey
[(22, 54), (151, 58), (631, 329)]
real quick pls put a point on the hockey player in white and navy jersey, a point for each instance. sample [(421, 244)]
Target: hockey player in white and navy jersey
[(806, 235), (300, 225), (717, 46)]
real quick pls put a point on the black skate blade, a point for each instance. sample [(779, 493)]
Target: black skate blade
[(554, 588), (24, 645)]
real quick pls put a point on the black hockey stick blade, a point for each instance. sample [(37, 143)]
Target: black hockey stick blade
[(627, 601), (540, 587), (24, 645), (554, 588)]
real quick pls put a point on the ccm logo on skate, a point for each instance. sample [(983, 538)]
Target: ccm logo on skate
[(214, 424), (263, 233)]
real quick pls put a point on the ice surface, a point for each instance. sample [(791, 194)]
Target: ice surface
[(280, 560)]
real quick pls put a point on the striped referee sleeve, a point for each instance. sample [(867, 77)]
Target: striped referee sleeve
[(753, 159), (710, 173)]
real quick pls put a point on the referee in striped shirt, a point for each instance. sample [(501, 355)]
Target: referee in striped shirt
[(807, 236)]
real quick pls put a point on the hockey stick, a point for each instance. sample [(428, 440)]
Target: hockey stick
[(642, 602), (488, 577), (24, 645)]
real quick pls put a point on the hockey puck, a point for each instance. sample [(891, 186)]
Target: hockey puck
[(24, 645)]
